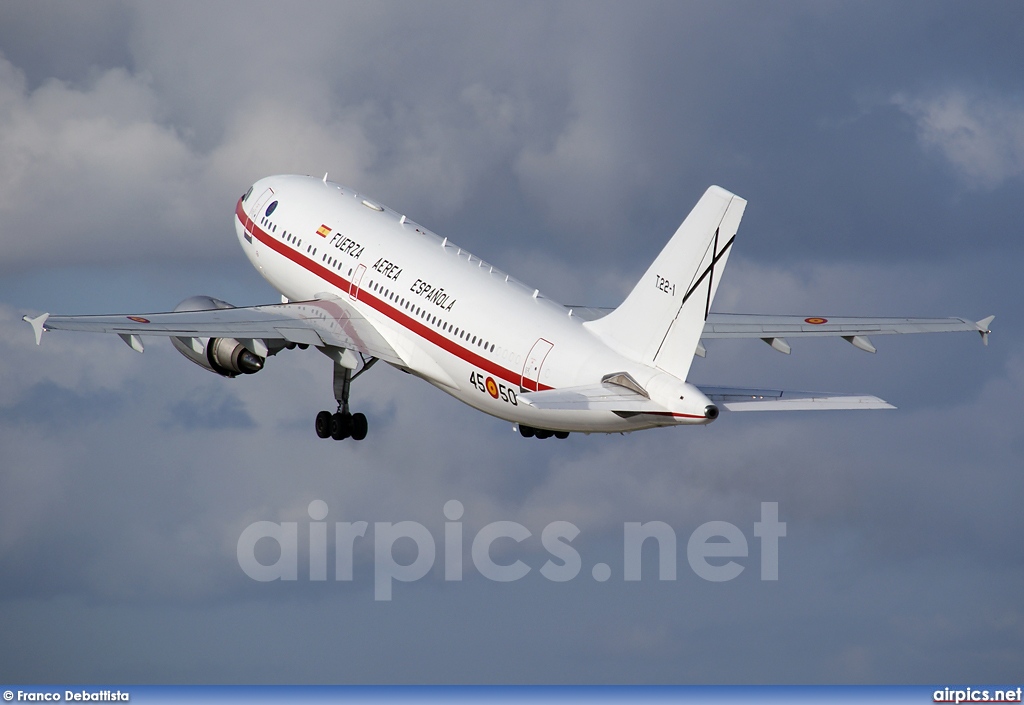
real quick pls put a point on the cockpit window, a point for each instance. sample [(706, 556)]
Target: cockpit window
[(270, 209), (247, 194)]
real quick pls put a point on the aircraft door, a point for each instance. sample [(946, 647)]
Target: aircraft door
[(254, 215), (257, 208), (534, 362), (357, 278)]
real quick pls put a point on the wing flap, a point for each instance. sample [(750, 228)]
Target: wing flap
[(301, 336), (741, 399)]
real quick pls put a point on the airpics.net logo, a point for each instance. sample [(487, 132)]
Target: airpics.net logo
[(713, 550)]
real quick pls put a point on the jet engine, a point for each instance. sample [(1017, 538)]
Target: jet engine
[(225, 356)]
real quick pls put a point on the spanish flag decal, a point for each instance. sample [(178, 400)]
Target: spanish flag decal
[(323, 231)]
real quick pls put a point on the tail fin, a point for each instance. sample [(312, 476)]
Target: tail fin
[(661, 321)]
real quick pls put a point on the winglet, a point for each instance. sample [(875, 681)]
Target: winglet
[(38, 324), (983, 328)]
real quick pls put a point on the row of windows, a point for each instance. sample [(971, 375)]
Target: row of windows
[(335, 262), (288, 237), (422, 313), (432, 319)]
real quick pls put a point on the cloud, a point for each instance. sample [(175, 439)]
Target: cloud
[(90, 173), (981, 136), (564, 143)]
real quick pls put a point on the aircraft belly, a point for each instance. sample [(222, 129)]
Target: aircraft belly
[(506, 405)]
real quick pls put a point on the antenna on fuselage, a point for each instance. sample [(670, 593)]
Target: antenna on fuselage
[(325, 177)]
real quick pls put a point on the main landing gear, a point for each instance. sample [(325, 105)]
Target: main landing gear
[(343, 424), (528, 432)]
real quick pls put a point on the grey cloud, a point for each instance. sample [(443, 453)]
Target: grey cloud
[(47, 403), (564, 143), (547, 106), (210, 411)]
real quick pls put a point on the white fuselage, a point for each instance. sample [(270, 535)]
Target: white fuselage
[(457, 322)]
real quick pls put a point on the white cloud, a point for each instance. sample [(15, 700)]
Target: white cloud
[(593, 121), (91, 173), (981, 136)]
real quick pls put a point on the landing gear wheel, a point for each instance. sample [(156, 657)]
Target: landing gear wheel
[(526, 431), (341, 426), (543, 433), (561, 434), (359, 427), (323, 424)]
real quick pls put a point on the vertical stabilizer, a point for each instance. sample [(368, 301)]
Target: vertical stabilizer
[(661, 321)]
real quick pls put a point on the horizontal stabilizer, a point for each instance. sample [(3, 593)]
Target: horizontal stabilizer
[(596, 397), (737, 399)]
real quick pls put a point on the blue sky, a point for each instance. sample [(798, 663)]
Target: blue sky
[(881, 149)]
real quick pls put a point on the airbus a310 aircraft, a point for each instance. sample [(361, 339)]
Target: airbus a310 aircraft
[(362, 283)]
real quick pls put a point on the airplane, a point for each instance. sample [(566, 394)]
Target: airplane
[(361, 282)]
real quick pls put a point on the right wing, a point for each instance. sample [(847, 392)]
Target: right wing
[(320, 322), (855, 330), (775, 329)]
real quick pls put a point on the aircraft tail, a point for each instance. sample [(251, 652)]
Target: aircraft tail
[(661, 321)]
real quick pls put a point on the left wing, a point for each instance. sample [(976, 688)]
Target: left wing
[(320, 322)]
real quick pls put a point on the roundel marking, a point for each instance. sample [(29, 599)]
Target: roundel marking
[(492, 387), (270, 209), (815, 320), (138, 319)]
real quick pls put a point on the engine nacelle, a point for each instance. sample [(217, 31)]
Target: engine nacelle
[(224, 356)]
